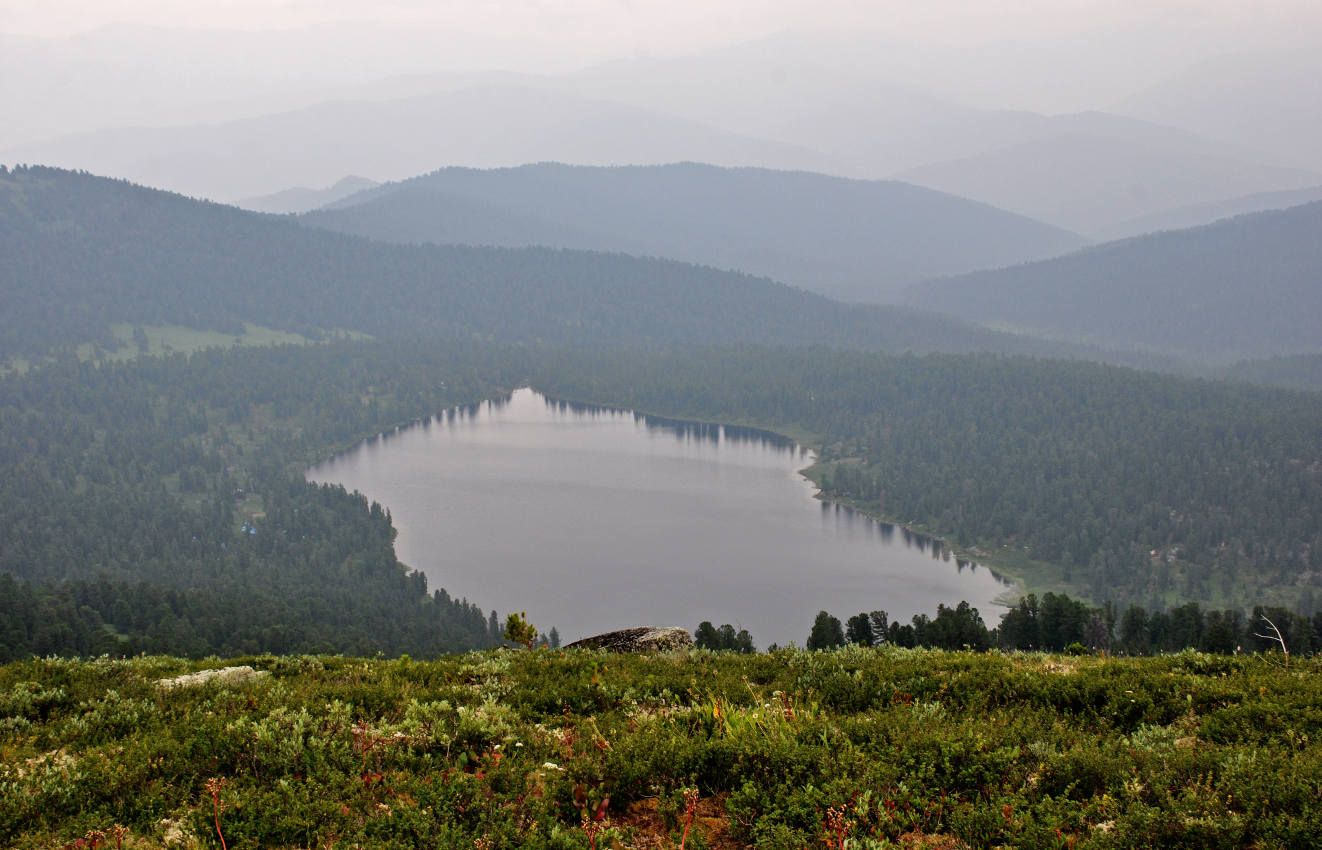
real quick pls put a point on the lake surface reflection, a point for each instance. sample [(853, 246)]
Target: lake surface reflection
[(593, 519)]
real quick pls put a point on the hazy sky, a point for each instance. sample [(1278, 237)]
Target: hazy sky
[(673, 25), (69, 66)]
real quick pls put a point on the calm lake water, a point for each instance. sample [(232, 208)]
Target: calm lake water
[(592, 520)]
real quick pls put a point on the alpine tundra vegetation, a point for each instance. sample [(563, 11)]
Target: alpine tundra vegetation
[(855, 748)]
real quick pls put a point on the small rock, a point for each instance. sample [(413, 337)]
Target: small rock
[(221, 675), (642, 639)]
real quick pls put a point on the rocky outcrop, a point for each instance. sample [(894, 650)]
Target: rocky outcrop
[(223, 676), (642, 639)]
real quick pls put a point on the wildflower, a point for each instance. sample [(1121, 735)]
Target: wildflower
[(213, 787), (690, 809)]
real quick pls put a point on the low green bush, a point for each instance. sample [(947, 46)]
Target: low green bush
[(504, 748)]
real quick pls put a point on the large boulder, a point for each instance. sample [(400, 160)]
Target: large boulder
[(642, 639)]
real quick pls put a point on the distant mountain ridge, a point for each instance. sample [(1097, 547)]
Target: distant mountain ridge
[(79, 252), (301, 199), (1088, 172), (1092, 172), (852, 240), (1243, 288), (482, 126), (1196, 215), (1264, 100)]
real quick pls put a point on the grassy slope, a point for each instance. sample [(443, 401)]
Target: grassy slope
[(170, 339), (505, 748)]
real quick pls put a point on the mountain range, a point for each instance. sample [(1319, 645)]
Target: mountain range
[(483, 126), (1091, 172), (1242, 288), (1196, 215), (849, 107), (852, 240), (301, 198), (1260, 100), (78, 252)]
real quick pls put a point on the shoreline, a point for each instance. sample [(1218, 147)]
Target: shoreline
[(1015, 584)]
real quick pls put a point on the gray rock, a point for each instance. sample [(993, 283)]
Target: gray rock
[(642, 639), (228, 676)]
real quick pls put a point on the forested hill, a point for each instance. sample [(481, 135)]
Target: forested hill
[(160, 504), (853, 240), (1242, 288), (78, 252), (1299, 371)]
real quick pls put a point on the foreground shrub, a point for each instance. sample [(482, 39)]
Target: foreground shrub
[(858, 747)]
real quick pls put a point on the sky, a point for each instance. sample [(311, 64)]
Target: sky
[(69, 67), (666, 26), (1115, 42)]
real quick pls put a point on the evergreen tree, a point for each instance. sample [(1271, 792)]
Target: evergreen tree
[(858, 629), (826, 632), (705, 636), (726, 637), (880, 627)]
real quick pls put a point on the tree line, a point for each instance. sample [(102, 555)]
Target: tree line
[(1057, 623)]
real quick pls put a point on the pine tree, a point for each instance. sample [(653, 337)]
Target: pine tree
[(826, 632), (880, 627), (858, 630)]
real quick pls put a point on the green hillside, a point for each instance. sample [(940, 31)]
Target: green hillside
[(79, 253), (159, 504)]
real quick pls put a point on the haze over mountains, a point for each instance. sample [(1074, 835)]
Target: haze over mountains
[(1264, 101), (1012, 123), (486, 127), (1102, 125), (1180, 218), (1247, 287), (1084, 172), (1092, 172), (302, 198), (851, 240)]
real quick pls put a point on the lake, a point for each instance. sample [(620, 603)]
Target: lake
[(592, 519)]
